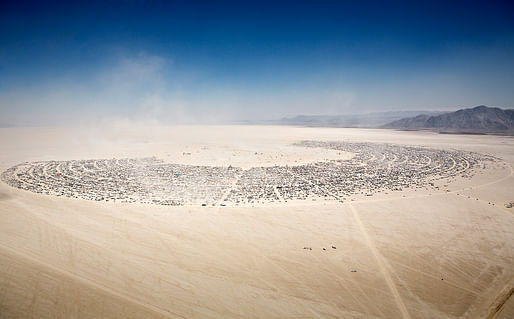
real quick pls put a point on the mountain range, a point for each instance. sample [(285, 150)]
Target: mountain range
[(480, 119), (367, 120)]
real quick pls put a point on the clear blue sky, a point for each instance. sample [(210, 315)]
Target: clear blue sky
[(234, 60)]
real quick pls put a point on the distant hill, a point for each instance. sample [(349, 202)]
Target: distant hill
[(480, 119), (353, 120)]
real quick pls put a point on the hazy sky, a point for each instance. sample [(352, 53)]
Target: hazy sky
[(182, 61)]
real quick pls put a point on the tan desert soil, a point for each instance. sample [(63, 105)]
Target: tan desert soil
[(410, 254)]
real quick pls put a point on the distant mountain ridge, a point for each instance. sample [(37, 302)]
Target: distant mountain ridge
[(480, 119), (369, 120)]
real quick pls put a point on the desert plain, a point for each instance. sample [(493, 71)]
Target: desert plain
[(443, 252)]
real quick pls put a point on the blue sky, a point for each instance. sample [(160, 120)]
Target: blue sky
[(208, 61)]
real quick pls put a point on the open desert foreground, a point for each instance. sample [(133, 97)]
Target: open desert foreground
[(445, 251)]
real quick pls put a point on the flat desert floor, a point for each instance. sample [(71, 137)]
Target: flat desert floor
[(422, 253)]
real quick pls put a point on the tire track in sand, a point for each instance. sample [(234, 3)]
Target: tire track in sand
[(90, 282), (381, 265)]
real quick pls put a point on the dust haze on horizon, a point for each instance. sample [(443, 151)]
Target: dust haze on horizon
[(111, 208), (161, 62)]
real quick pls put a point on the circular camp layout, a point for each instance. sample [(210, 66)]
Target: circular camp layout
[(374, 168)]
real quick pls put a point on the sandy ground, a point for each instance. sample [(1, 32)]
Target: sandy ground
[(447, 254)]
